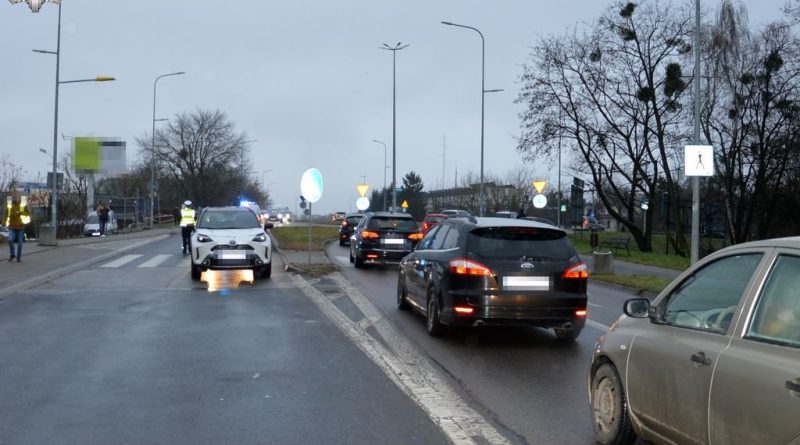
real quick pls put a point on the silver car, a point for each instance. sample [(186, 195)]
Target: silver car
[(714, 359)]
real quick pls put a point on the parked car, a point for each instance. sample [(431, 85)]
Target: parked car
[(714, 359), (495, 271), (230, 238), (453, 213), (431, 220), (383, 237), (92, 225), (347, 227)]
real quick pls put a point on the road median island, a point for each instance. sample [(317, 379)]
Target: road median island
[(292, 246)]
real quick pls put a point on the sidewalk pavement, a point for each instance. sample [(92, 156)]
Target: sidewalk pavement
[(44, 263)]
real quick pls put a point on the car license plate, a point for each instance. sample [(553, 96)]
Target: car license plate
[(526, 283), (225, 255), (393, 241)]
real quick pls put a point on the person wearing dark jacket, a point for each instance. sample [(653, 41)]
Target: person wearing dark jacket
[(102, 215)]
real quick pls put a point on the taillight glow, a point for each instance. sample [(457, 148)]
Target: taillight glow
[(344, 224), (578, 271), (372, 256), (463, 266), (580, 312), (415, 236), (464, 310), (368, 234), (425, 225)]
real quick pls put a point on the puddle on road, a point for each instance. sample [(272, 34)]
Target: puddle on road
[(226, 280)]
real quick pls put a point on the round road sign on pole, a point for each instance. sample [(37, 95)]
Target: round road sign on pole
[(362, 203), (311, 185), (539, 201)]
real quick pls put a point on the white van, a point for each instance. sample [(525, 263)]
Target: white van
[(92, 226)]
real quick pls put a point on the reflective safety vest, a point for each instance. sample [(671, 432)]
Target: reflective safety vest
[(187, 217), (17, 217)]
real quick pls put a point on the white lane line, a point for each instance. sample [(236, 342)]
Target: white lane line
[(155, 261), (597, 325), (407, 368), (595, 305), (122, 261)]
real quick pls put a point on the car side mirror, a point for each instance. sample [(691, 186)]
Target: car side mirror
[(637, 308), (268, 225)]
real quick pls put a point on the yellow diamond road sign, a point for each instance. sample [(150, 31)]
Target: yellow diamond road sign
[(362, 189), (404, 204), (539, 185)]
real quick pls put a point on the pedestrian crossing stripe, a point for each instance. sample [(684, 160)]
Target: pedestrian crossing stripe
[(156, 260), (122, 261)]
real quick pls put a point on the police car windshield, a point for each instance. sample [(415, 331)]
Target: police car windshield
[(228, 219)]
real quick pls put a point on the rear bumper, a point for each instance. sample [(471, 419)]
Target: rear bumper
[(560, 313), (382, 256)]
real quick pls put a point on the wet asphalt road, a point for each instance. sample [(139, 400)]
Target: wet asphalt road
[(138, 353)]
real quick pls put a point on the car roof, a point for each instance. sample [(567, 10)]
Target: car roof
[(355, 214), (482, 222), (235, 208), (790, 242), (435, 214)]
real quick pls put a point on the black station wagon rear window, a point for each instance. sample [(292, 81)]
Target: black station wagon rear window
[(392, 223), (517, 242)]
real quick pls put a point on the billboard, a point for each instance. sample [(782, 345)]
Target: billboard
[(99, 155)]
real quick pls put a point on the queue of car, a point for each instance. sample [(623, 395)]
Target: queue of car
[(713, 359)]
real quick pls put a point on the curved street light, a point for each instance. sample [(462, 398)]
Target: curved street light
[(482, 199), (35, 5), (153, 147)]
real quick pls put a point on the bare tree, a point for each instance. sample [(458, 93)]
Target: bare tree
[(615, 93), (204, 157), (751, 108)]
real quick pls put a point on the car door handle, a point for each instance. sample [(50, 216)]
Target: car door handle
[(794, 386), (701, 359)]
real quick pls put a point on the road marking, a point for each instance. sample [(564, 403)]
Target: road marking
[(595, 305), (122, 261), (155, 261), (597, 325), (407, 368)]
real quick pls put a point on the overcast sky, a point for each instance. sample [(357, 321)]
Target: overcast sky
[(304, 79)]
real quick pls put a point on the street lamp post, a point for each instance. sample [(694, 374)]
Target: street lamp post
[(153, 148), (57, 53), (384, 170), (394, 50), (695, 243), (482, 199)]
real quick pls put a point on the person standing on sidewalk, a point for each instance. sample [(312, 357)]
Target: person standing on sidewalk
[(187, 224), (102, 215), (176, 215), (17, 217)]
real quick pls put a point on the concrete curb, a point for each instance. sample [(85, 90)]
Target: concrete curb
[(66, 270)]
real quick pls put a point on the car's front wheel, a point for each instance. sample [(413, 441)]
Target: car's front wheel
[(266, 271), (195, 271), (402, 303), (610, 420)]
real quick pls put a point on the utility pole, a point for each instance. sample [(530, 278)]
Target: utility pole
[(695, 253)]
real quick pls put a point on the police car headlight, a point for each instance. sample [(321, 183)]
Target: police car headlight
[(203, 238), (260, 238)]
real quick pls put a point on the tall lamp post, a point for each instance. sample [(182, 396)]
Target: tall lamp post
[(394, 50), (35, 5), (695, 243), (153, 147), (482, 199), (384, 170)]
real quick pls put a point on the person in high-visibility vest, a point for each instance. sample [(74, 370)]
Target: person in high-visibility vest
[(187, 224), (17, 217)]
